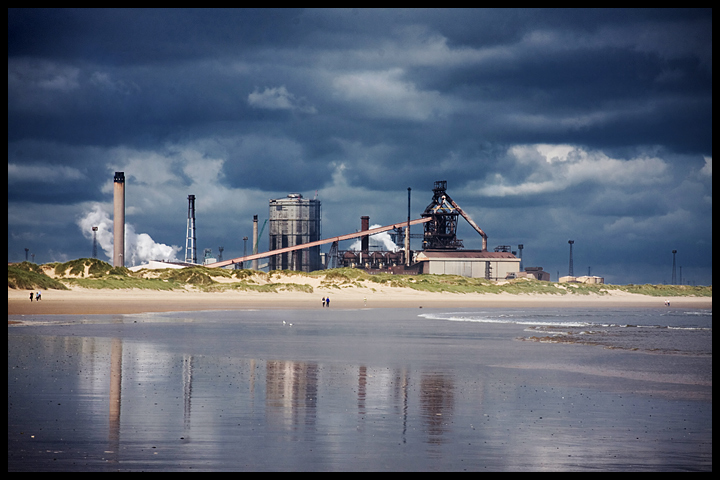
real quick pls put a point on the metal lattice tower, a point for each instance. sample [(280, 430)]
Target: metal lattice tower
[(190, 245), (674, 276), (570, 272), (440, 231), (331, 261)]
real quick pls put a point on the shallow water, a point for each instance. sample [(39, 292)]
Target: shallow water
[(350, 390), (651, 330)]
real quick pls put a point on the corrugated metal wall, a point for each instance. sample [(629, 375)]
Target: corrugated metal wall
[(294, 221)]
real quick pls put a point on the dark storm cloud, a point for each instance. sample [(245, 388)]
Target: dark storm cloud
[(545, 123), (122, 36)]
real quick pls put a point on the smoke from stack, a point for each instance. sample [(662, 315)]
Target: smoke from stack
[(139, 247), (379, 241)]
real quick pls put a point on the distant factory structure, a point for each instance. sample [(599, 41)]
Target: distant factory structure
[(531, 272), (442, 252), (295, 220), (295, 231), (591, 279), (571, 278), (295, 241)]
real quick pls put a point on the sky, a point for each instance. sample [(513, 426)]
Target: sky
[(548, 126)]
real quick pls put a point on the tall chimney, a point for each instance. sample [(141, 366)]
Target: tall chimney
[(255, 241), (94, 253), (119, 220), (520, 247), (365, 241)]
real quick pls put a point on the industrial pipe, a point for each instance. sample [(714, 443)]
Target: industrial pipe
[(469, 220), (349, 236)]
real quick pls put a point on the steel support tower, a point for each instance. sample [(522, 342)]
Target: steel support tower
[(190, 245), (674, 276), (570, 270), (441, 222)]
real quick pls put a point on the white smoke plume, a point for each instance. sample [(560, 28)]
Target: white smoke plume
[(139, 248), (380, 241)]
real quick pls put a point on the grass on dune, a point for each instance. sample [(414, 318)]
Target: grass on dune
[(96, 274)]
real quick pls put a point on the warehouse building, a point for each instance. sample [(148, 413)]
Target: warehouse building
[(469, 263)]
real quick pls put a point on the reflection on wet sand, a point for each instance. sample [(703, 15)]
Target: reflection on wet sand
[(115, 397), (361, 390), (187, 390), (292, 389), (436, 404), (291, 393), (127, 401), (401, 383)]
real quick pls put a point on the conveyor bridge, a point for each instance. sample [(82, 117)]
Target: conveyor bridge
[(349, 236)]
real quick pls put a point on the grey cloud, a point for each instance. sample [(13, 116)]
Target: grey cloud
[(245, 105), (278, 98)]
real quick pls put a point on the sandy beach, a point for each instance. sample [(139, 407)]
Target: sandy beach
[(91, 301)]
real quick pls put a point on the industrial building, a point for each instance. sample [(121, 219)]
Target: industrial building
[(582, 279), (469, 263), (443, 254), (532, 272), (293, 221)]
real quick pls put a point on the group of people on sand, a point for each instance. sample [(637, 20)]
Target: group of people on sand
[(326, 302), (37, 296)]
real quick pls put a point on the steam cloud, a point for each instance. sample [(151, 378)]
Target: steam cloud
[(139, 247), (379, 241)]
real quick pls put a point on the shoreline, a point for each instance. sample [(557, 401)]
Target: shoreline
[(79, 301)]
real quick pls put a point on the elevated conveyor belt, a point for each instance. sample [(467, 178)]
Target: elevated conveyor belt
[(303, 246)]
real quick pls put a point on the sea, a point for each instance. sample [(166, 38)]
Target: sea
[(650, 330), (484, 389)]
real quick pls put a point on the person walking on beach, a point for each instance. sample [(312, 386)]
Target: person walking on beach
[(37, 297), (31, 296), (323, 302), (327, 301)]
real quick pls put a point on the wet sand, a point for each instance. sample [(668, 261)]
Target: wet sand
[(350, 389)]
